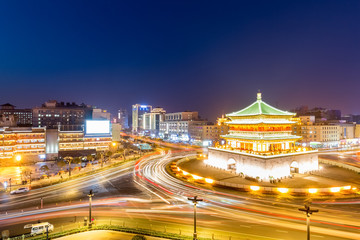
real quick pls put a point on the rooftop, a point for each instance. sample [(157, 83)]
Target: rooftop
[(260, 108)]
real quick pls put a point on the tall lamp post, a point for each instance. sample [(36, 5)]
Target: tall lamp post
[(195, 200), (90, 195), (308, 212)]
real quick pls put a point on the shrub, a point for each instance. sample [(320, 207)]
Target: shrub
[(139, 237)]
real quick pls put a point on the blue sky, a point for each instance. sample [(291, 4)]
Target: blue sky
[(210, 56)]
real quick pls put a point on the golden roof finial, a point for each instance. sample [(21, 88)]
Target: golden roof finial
[(259, 95)]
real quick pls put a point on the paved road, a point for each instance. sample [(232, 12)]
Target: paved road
[(151, 198)]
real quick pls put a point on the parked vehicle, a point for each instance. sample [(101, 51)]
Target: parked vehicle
[(40, 228), (20, 190)]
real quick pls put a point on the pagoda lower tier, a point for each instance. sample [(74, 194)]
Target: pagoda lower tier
[(261, 166)]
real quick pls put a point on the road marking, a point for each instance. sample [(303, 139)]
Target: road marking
[(319, 236), (283, 231), (152, 192), (245, 226)]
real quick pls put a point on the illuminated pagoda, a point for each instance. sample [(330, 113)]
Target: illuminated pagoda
[(260, 144)]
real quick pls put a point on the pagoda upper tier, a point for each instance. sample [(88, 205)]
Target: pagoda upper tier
[(261, 128)]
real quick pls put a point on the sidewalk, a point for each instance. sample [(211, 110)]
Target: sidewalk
[(328, 176), (15, 173)]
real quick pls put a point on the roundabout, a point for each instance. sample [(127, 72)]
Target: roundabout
[(329, 181)]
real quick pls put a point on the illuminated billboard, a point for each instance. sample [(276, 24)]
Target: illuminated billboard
[(97, 127)]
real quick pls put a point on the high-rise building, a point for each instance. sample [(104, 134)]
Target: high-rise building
[(138, 112), (152, 120), (69, 116), (123, 118), (22, 117)]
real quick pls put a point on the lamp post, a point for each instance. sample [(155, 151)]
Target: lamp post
[(90, 195), (47, 232), (30, 180), (195, 200), (308, 212), (10, 184)]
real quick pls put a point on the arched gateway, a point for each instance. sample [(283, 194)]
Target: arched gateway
[(231, 164)]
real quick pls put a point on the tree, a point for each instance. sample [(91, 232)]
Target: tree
[(45, 169), (60, 163), (123, 152), (26, 173), (90, 157), (105, 157), (109, 154), (69, 160)]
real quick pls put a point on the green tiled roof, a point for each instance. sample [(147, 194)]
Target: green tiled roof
[(260, 108)]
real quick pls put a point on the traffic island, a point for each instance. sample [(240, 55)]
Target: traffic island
[(331, 181)]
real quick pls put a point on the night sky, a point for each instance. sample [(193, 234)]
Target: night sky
[(209, 56)]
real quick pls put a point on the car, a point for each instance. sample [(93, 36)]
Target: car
[(20, 190), (40, 228)]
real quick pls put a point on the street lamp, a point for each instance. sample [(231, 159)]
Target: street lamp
[(308, 212), (195, 200), (90, 195)]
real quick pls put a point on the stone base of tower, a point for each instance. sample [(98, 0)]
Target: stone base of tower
[(263, 167)]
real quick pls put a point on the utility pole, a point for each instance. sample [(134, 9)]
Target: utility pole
[(195, 200), (47, 232), (41, 202), (30, 179), (90, 195), (10, 183), (308, 212)]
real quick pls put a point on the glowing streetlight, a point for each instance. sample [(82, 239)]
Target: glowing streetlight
[(283, 190), (18, 158)]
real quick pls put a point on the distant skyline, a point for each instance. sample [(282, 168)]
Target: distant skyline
[(205, 56)]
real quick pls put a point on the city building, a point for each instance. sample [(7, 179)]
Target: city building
[(22, 117), (95, 137), (176, 125), (204, 133), (116, 131), (123, 118), (98, 113), (53, 114), (260, 144), (21, 144), (357, 131), (324, 134), (152, 120), (138, 112), (351, 118)]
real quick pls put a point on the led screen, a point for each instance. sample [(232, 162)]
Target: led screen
[(97, 126)]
